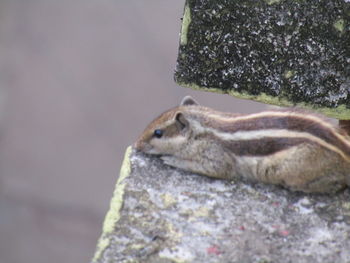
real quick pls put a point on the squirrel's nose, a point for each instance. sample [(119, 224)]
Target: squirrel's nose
[(138, 146)]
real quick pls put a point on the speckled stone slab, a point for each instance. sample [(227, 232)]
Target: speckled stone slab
[(161, 214), (287, 53)]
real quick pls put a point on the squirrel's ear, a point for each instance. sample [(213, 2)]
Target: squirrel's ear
[(188, 100), (181, 120)]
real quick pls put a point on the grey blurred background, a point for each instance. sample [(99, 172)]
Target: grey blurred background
[(79, 81)]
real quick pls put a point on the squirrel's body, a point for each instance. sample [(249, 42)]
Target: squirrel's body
[(290, 148)]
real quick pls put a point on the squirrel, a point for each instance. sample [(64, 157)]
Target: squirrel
[(300, 151)]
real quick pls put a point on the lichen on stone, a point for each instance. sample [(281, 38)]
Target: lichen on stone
[(113, 214), (186, 20)]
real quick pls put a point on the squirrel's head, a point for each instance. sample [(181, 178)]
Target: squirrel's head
[(167, 133)]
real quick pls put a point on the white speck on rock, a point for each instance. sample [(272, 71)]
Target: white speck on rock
[(319, 235), (140, 161), (302, 204), (176, 253)]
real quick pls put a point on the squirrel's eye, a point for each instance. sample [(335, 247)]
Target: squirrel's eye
[(158, 133)]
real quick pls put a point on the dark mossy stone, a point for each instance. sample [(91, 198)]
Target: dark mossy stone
[(279, 52)]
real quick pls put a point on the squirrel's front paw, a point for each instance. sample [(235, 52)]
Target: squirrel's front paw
[(169, 160)]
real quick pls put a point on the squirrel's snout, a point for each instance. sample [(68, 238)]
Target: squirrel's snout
[(138, 146)]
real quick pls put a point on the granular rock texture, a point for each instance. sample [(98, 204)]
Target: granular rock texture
[(161, 214), (278, 52)]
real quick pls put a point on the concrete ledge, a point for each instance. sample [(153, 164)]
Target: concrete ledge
[(161, 214)]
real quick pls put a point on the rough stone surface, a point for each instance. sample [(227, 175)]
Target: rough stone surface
[(161, 214), (278, 52)]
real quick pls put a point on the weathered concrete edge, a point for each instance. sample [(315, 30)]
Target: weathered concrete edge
[(113, 214), (340, 112)]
